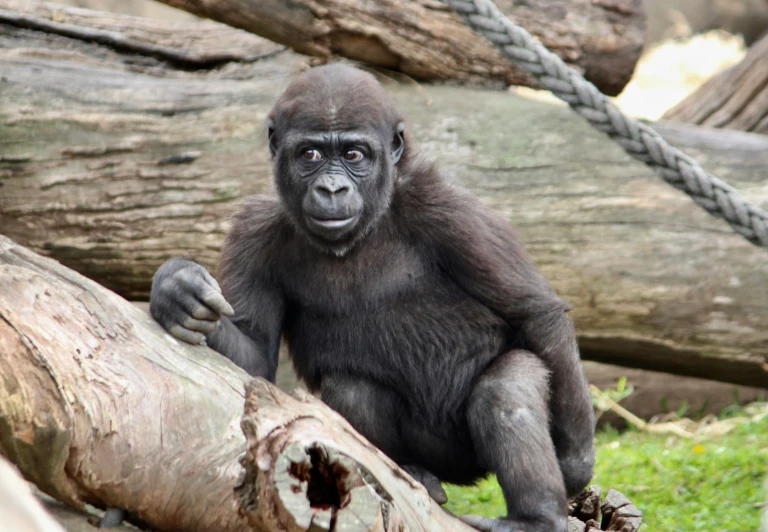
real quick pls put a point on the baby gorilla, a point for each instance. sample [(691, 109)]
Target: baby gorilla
[(411, 308)]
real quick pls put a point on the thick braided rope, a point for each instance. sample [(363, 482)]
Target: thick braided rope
[(639, 140)]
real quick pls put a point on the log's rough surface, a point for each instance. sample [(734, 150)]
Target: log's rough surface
[(736, 98), (426, 40), (98, 405), (114, 162)]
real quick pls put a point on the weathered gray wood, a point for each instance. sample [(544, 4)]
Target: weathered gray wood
[(99, 405), (204, 44), (90, 141), (426, 40)]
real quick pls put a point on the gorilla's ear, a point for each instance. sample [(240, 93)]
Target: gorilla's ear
[(398, 143), (272, 138)]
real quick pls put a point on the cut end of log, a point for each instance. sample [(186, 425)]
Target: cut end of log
[(297, 478)]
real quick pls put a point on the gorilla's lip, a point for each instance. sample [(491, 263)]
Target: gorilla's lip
[(333, 223)]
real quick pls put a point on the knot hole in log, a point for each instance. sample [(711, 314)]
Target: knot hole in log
[(325, 481)]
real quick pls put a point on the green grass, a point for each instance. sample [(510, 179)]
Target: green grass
[(679, 485)]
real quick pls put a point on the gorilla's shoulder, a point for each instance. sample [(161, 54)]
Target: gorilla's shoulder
[(258, 218), (259, 211), (423, 189)]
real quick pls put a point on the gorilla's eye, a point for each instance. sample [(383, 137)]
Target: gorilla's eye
[(354, 155), (311, 154)]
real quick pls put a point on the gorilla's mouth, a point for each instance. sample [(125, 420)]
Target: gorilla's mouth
[(334, 225)]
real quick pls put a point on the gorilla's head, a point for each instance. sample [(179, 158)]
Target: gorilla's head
[(335, 138)]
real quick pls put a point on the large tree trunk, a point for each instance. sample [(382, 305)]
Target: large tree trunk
[(99, 405), (426, 40), (736, 98), (114, 162)]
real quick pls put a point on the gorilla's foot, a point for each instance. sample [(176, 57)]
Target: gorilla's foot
[(429, 481), (487, 524)]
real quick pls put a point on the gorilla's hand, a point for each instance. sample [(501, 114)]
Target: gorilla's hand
[(187, 301)]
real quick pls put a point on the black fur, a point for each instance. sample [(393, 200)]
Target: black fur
[(424, 322)]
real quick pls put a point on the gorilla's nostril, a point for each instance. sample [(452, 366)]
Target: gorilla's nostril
[(329, 190)]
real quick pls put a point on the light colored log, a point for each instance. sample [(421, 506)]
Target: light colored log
[(98, 405)]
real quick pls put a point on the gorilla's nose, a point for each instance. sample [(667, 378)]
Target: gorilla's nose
[(329, 188)]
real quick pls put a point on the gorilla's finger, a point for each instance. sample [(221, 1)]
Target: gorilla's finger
[(202, 312), (185, 335), (217, 302), (203, 326), (205, 303), (211, 280), (186, 305), (214, 299)]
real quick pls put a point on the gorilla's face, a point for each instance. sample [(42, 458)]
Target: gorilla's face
[(336, 168), (334, 158)]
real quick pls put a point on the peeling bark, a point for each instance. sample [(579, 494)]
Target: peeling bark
[(98, 405)]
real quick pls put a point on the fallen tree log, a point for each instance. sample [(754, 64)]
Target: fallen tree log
[(99, 405), (426, 40), (736, 98), (113, 162)]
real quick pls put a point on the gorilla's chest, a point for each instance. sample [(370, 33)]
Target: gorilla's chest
[(366, 280), (389, 313)]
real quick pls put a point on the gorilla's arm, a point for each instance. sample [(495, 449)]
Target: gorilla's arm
[(187, 301), (484, 256), (250, 281)]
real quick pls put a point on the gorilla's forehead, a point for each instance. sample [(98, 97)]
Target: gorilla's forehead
[(335, 97), (330, 137), (333, 115)]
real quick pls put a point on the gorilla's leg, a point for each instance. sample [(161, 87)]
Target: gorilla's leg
[(374, 411), (508, 419), (429, 481)]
